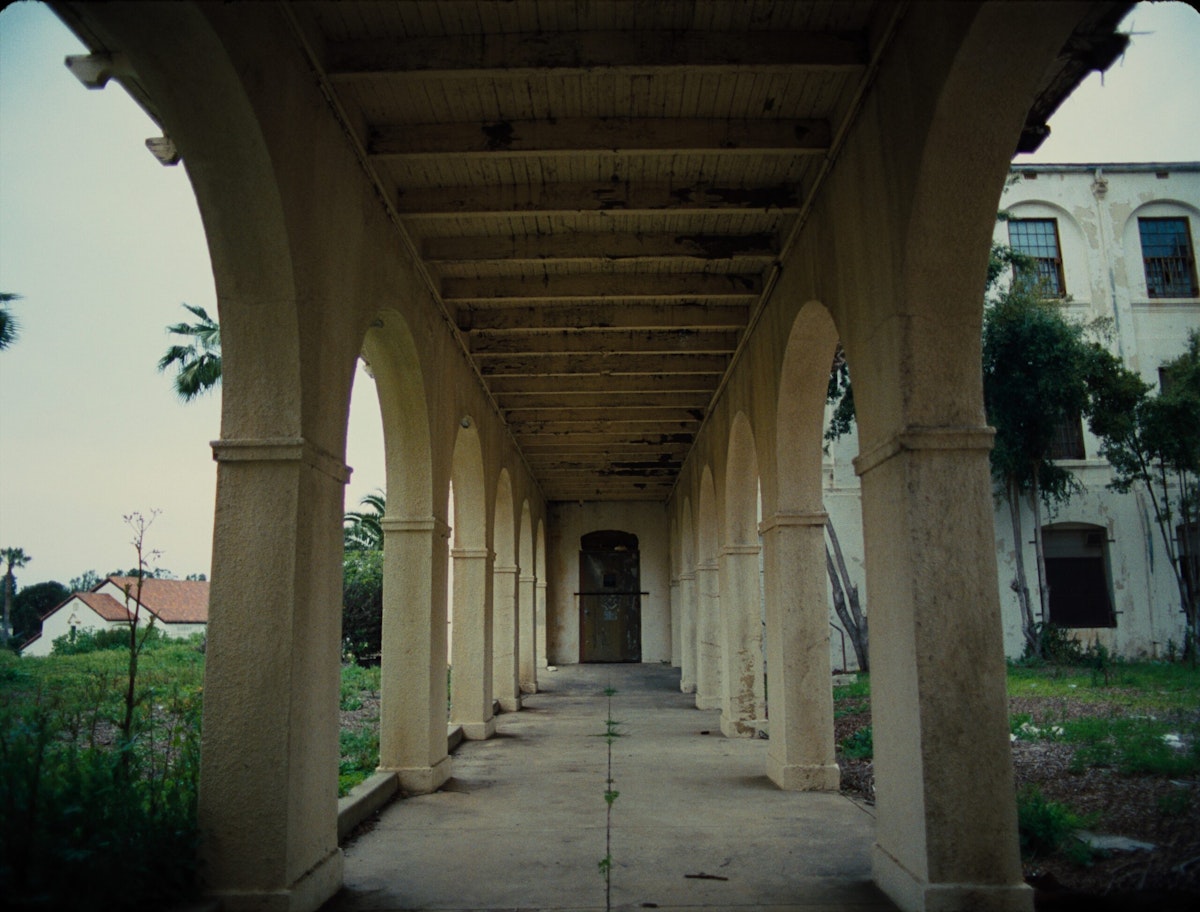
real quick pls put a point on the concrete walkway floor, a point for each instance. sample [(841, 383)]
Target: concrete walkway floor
[(697, 824)]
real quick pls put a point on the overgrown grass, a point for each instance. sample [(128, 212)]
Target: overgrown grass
[(89, 819), (90, 822)]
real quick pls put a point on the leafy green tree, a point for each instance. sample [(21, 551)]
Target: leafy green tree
[(362, 604), (198, 363), (1034, 380), (363, 529), (1154, 441), (15, 559), (10, 326), (85, 581), (31, 603)]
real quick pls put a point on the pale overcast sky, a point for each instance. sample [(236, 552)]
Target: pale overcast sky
[(104, 244)]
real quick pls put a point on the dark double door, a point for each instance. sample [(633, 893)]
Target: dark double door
[(610, 598)]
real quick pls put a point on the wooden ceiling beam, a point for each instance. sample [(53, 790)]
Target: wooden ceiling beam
[(518, 405), (643, 51), (414, 203), (604, 384), (618, 412), (595, 286), (486, 343), (649, 429), (599, 440), (608, 245), (605, 315), (603, 363), (585, 135)]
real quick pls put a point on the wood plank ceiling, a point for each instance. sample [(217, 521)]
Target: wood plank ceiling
[(600, 192)]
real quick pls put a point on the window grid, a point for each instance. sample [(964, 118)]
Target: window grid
[(1068, 439), (1038, 239), (1167, 256)]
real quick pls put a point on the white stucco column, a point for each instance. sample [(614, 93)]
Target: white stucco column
[(800, 754), (506, 686), (540, 622), (743, 706), (528, 637), (412, 719), (471, 681), (687, 632), (676, 616), (269, 756), (946, 831), (708, 636)]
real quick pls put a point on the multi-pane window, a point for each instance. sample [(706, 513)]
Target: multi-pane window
[(1038, 240), (1068, 439), (1167, 256)]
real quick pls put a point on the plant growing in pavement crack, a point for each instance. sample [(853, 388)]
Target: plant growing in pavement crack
[(610, 795)]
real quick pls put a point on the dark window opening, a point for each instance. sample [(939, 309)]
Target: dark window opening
[(1078, 576), (1167, 256), (1038, 240), (1188, 538)]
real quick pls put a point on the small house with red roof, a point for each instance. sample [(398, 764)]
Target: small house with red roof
[(178, 608)]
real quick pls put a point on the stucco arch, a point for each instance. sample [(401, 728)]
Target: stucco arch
[(471, 603), (413, 685), (708, 596), (688, 627), (673, 562), (801, 752), (525, 610), (540, 592), (389, 350), (743, 704), (506, 634), (800, 409)]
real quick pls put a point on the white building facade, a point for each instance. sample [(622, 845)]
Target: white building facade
[(1117, 242)]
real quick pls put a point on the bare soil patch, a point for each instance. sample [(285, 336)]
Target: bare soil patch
[(1152, 809)]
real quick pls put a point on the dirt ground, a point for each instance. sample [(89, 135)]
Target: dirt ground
[(1149, 809)]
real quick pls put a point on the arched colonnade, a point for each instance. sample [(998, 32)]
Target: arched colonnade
[(310, 275)]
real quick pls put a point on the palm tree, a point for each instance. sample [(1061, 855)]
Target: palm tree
[(15, 558), (199, 363), (9, 325), (364, 529)]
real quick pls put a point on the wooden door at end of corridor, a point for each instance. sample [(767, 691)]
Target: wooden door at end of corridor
[(610, 599)]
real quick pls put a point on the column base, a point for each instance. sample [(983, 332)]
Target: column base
[(687, 687), (422, 780), (307, 894), (741, 728), (478, 731), (529, 687), (912, 894), (510, 704), (706, 702), (794, 777)]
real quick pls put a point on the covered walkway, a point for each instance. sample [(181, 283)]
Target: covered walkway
[(697, 823)]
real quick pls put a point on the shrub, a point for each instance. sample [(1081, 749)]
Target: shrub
[(860, 745), (1046, 827), (362, 601), (84, 641)]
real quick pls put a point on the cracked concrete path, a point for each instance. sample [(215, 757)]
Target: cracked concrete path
[(697, 824)]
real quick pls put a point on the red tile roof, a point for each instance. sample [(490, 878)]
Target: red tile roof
[(104, 605), (173, 601)]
